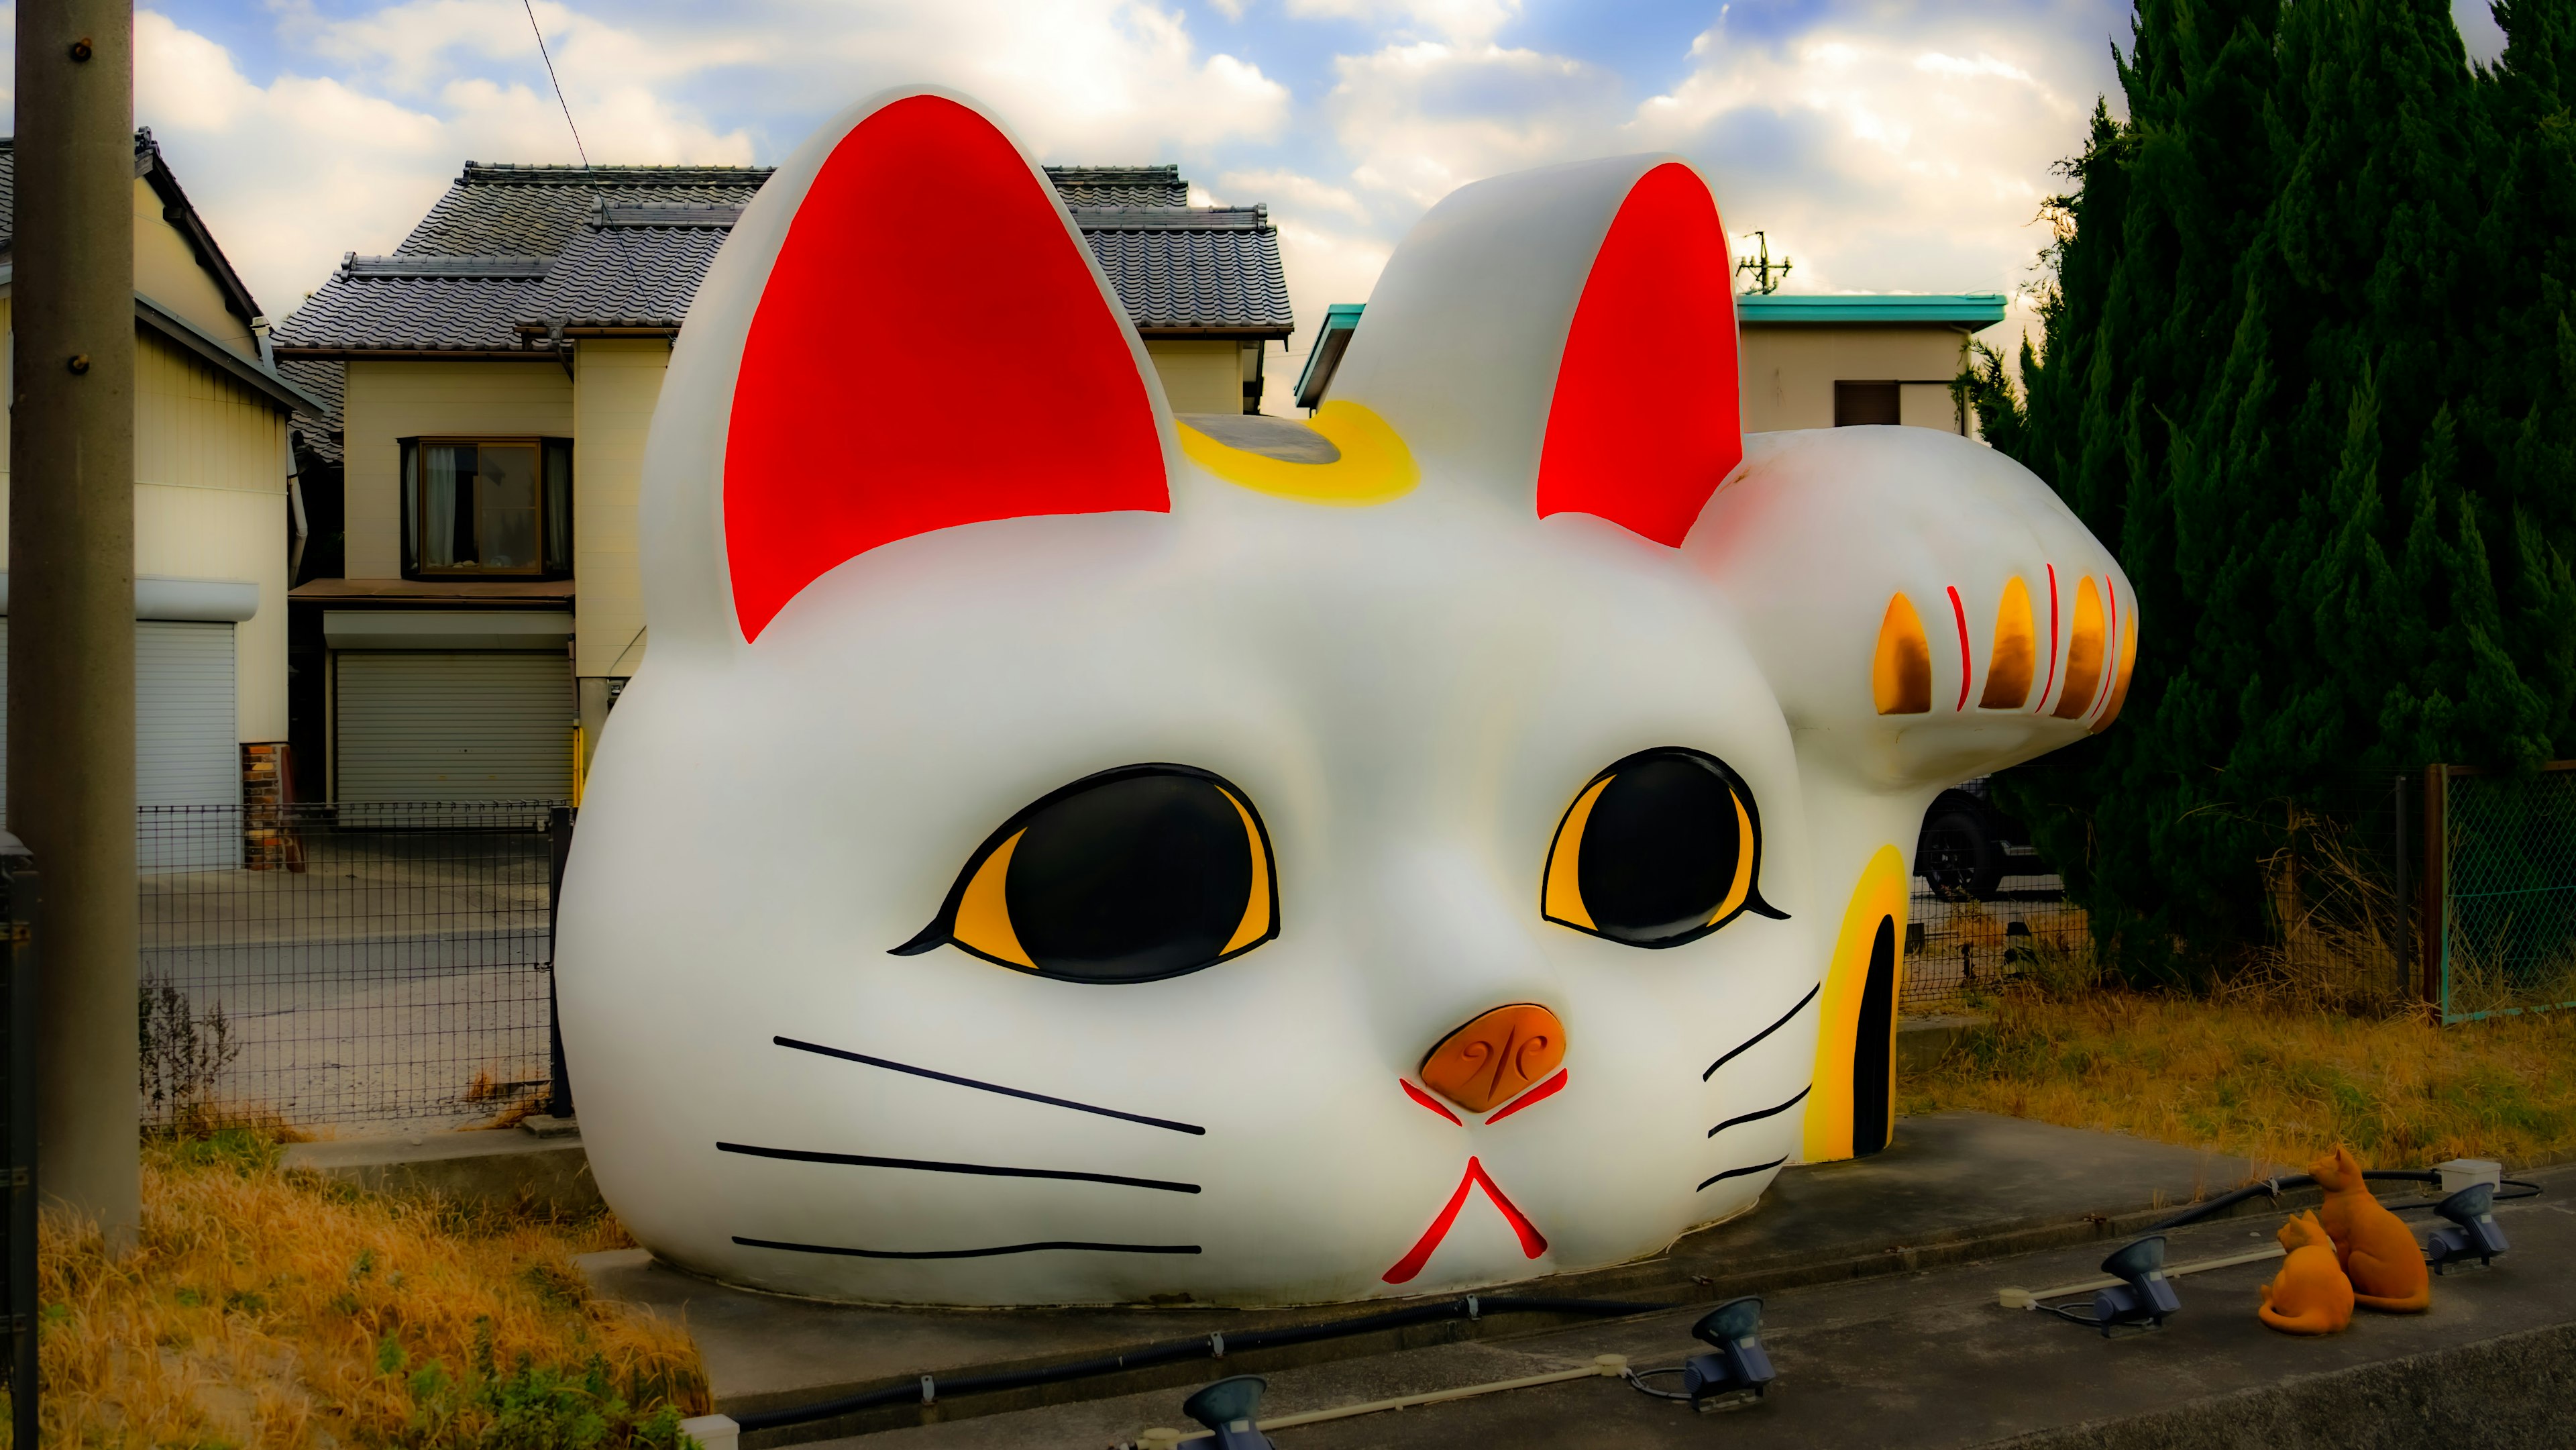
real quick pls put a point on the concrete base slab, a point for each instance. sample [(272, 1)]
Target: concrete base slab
[(1928, 1360), (501, 1168), (1953, 1187)]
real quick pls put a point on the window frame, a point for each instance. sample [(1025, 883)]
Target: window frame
[(554, 504)]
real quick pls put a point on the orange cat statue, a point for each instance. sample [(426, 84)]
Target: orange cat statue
[(2310, 1295), (2378, 1253)]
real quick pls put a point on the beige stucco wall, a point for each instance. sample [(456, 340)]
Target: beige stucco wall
[(388, 401), (210, 503), (1200, 375), (1790, 371), (166, 270), (615, 384)]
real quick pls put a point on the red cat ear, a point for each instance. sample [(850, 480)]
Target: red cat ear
[(932, 347), (1646, 419)]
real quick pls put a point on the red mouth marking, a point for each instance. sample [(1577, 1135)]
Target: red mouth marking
[(1533, 1243), (1547, 1089)]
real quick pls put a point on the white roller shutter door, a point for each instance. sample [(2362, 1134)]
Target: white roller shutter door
[(184, 748), (425, 725), (185, 753)]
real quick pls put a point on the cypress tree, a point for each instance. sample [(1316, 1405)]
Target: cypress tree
[(2309, 370)]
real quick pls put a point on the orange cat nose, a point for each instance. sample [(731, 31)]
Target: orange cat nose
[(1495, 1056)]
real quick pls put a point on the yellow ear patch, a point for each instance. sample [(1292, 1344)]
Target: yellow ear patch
[(1373, 465)]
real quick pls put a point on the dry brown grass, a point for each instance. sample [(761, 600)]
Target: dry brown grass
[(2259, 1075), (268, 1309)]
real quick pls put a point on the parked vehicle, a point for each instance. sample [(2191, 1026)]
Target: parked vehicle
[(1969, 845)]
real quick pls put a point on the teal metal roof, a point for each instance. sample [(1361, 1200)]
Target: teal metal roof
[(1326, 355), (1955, 309)]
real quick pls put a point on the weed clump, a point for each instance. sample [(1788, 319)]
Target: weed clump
[(263, 1307)]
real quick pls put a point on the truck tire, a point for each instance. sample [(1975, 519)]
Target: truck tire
[(1959, 858)]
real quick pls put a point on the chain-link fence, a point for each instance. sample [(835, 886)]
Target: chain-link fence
[(341, 964), (2508, 941), (2340, 870)]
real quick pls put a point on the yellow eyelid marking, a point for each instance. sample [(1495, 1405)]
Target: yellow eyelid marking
[(1900, 672), (1256, 913), (1375, 466), (2016, 651), (2083, 655), (984, 917), (1564, 894), (1742, 886)]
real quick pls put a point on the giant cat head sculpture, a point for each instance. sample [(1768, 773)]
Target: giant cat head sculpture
[(1059, 854)]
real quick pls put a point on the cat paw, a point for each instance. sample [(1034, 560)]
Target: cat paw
[(1919, 598)]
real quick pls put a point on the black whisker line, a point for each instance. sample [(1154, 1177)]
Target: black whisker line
[(967, 1253), (1765, 1032), (968, 1082), (924, 1165), (1715, 1177), (1765, 1113)]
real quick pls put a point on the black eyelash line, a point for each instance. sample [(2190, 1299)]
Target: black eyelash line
[(1765, 1113), (942, 930), (1753, 904), (1736, 1172), (1739, 1049), (925, 1165), (967, 1253), (967, 1082)]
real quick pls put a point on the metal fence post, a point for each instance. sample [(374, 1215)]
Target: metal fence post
[(24, 888), (2401, 902), (559, 826), (2434, 943)]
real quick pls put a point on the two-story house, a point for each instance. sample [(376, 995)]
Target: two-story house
[(493, 380), (216, 517)]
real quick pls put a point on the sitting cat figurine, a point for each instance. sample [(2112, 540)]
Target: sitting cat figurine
[(2310, 1295), (2379, 1253), (1058, 853)]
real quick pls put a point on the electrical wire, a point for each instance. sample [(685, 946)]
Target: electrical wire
[(928, 1389), (531, 7)]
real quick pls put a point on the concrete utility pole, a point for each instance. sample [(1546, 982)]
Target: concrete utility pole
[(71, 587)]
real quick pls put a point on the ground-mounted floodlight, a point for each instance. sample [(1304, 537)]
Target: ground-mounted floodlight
[(2144, 1296), (1738, 1369), (1227, 1408), (2476, 1236)]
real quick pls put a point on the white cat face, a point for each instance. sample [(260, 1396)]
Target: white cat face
[(1047, 861)]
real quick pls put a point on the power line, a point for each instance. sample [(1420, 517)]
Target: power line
[(558, 83)]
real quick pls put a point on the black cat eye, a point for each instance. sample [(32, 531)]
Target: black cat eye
[(1662, 848), (1131, 875)]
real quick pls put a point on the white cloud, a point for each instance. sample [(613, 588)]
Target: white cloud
[(293, 173), (373, 114), (1884, 157), (1449, 19), (1424, 119)]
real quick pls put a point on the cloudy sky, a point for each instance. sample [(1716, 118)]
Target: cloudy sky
[(1886, 146)]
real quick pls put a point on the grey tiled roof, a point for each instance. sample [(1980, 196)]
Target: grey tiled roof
[(355, 310), (1172, 277), (491, 209), (1120, 185), (509, 249), (628, 276), (328, 381)]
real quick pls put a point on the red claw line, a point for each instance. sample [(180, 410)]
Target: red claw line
[(1533, 1243), (1967, 667), (1427, 1100), (1547, 1089), (2052, 643)]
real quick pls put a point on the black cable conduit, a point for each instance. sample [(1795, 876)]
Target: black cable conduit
[(1205, 1346), (2275, 1187)]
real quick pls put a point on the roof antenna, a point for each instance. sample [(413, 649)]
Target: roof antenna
[(531, 7)]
